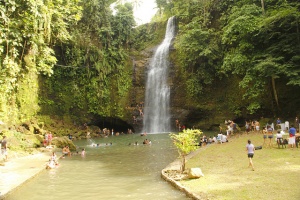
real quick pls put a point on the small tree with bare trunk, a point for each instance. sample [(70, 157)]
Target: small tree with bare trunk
[(185, 142)]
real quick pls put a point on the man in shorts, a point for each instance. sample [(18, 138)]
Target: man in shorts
[(250, 151)]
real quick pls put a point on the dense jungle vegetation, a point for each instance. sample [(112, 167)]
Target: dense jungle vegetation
[(73, 58)]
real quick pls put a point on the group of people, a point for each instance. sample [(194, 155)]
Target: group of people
[(253, 125), (220, 138), (47, 139), (268, 134), (179, 126), (146, 141), (232, 127), (138, 112)]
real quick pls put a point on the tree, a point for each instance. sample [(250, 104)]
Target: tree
[(29, 30), (185, 142), (262, 47)]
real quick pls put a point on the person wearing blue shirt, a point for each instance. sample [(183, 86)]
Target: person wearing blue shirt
[(292, 133), (278, 122)]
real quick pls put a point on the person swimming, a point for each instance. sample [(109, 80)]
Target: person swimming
[(83, 152)]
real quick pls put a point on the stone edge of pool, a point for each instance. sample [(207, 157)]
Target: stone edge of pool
[(24, 169), (176, 166)]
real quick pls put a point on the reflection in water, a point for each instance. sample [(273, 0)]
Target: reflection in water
[(108, 172)]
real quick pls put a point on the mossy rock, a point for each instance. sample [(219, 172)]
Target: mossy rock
[(23, 129), (61, 142), (40, 138), (18, 141)]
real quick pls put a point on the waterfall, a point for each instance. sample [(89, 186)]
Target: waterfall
[(157, 94)]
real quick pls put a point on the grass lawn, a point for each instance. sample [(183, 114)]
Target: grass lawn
[(227, 176)]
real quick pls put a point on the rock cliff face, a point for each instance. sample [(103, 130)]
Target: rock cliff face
[(221, 98), (178, 109), (206, 113)]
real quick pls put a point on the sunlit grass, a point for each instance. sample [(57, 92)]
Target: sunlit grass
[(227, 176)]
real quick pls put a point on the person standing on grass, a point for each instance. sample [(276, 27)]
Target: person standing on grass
[(250, 151), (270, 135), (292, 138)]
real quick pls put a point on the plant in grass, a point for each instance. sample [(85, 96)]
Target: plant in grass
[(186, 143)]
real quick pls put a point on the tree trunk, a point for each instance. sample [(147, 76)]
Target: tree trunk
[(274, 91), (183, 164), (263, 6)]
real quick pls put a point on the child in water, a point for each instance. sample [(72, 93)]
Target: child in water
[(83, 152)]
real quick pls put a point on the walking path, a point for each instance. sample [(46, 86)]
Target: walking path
[(17, 171)]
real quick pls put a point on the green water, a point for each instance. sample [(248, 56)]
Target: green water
[(119, 171)]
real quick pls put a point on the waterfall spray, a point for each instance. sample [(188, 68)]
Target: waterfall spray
[(157, 94)]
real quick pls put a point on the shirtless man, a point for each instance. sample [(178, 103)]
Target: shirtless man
[(66, 151)]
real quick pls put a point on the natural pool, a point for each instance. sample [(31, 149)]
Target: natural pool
[(119, 171)]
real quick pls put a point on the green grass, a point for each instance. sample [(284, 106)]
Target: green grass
[(227, 176)]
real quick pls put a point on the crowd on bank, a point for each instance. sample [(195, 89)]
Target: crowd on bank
[(282, 133)]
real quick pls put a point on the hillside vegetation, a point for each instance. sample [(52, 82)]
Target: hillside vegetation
[(74, 60)]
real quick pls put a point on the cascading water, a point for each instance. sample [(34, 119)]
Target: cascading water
[(157, 97)]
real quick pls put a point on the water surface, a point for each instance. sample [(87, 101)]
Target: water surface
[(119, 171)]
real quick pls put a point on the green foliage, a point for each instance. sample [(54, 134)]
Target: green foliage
[(21, 142), (75, 55), (95, 78), (185, 142), (28, 31), (122, 25), (148, 35), (260, 48)]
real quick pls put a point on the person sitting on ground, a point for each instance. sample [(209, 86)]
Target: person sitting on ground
[(219, 138), (210, 140), (214, 139), (200, 142), (50, 164), (224, 138), (52, 161), (279, 137), (204, 140), (54, 158)]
